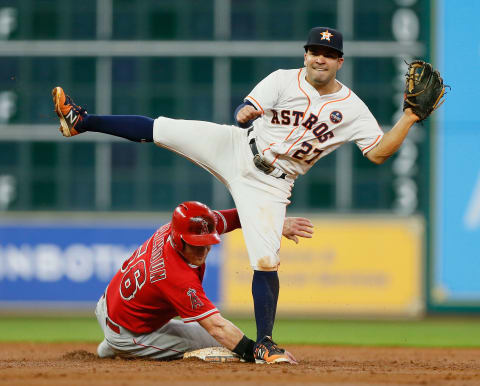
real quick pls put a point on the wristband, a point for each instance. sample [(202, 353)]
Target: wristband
[(244, 349)]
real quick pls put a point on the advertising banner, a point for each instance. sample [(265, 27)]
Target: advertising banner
[(352, 266), (355, 266), (66, 263)]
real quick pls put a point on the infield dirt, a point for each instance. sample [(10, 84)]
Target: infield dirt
[(76, 364)]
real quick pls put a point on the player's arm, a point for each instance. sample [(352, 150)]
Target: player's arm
[(293, 227), (191, 303), (227, 220), (262, 98), (392, 140), (245, 114), (229, 335)]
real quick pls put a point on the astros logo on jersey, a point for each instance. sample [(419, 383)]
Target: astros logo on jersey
[(194, 300), (336, 116), (326, 35)]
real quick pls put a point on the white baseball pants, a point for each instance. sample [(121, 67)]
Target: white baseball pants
[(169, 342), (224, 151)]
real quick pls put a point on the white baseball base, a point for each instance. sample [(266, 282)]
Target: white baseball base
[(213, 355)]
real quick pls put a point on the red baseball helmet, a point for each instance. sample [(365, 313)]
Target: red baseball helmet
[(195, 224)]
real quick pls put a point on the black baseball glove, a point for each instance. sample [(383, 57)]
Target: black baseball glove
[(424, 89)]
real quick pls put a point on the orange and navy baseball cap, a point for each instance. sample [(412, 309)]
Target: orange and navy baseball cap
[(325, 37)]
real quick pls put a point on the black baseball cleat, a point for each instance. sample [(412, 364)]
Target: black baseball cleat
[(69, 113), (267, 351)]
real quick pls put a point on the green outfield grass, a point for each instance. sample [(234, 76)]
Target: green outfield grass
[(425, 333)]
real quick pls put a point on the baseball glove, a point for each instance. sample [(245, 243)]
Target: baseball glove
[(424, 89)]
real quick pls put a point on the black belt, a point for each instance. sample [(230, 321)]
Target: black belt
[(259, 162)]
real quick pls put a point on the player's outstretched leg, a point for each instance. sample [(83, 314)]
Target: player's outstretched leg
[(75, 120)]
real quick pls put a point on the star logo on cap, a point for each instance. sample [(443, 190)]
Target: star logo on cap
[(326, 35)]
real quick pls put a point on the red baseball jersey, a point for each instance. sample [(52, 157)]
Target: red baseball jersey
[(156, 284)]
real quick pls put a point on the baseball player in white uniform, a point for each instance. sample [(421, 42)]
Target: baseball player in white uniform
[(292, 119)]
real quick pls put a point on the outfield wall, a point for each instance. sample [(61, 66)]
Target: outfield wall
[(454, 283), (357, 266)]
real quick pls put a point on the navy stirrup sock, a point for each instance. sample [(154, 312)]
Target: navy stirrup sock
[(265, 289), (133, 127)]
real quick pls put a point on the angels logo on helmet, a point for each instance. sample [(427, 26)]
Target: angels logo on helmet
[(201, 226)]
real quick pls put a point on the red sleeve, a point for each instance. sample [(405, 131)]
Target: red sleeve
[(190, 302), (227, 220)]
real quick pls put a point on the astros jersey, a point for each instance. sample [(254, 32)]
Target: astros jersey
[(299, 126), (156, 284)]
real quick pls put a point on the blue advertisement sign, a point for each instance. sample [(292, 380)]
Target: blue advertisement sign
[(65, 262), (456, 252)]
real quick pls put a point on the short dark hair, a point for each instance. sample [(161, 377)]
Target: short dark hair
[(340, 54)]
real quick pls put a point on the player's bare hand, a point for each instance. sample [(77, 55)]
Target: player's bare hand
[(247, 113), (291, 358), (294, 227)]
